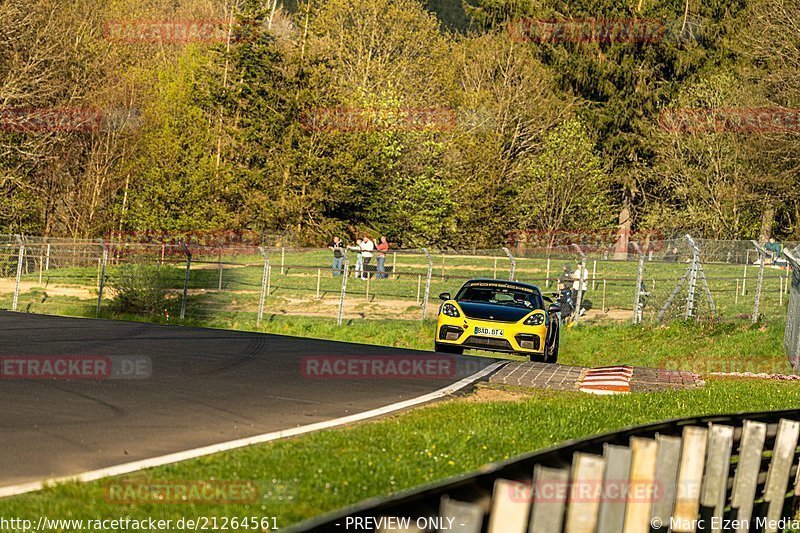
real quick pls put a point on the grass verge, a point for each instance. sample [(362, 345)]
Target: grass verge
[(698, 347), (302, 477)]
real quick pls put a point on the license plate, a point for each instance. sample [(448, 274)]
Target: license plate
[(491, 332)]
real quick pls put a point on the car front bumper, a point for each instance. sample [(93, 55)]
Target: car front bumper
[(471, 333)]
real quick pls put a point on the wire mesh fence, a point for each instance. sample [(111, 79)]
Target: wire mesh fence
[(649, 282), (792, 337)]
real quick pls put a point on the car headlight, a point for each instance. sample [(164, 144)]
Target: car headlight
[(450, 310), (535, 320)]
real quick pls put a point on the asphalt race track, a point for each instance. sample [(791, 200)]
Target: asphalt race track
[(203, 387)]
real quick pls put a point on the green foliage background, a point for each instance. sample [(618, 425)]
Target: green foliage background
[(545, 136)]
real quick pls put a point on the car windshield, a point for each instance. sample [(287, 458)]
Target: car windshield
[(509, 295)]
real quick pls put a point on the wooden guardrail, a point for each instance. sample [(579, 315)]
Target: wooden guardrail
[(722, 473)]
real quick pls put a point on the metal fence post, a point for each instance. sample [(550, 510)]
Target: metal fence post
[(19, 272), (345, 273), (581, 268), (102, 278), (263, 285), (762, 254), (637, 304), (512, 269), (692, 282), (427, 284), (186, 279), (791, 340)]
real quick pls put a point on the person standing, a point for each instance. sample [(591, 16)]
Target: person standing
[(382, 247), (774, 248), (565, 279), (367, 246), (565, 292), (359, 258), (580, 284), (338, 256)]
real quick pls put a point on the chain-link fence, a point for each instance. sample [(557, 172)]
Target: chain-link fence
[(651, 281), (792, 337)]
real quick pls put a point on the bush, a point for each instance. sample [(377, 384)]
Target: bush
[(139, 289)]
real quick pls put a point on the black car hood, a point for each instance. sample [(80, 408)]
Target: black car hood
[(500, 313)]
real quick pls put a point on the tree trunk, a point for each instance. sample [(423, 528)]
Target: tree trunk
[(623, 232), (767, 217)]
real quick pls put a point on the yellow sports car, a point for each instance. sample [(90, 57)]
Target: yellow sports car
[(499, 316)]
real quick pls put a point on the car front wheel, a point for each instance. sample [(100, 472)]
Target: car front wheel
[(551, 351)]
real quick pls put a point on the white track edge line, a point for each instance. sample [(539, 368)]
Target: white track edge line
[(127, 468)]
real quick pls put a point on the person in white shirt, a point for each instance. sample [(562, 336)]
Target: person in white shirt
[(367, 247), (580, 284), (359, 258)]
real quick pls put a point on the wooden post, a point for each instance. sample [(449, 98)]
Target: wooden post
[(163, 246), (744, 277), (594, 275), (736, 297), (269, 278), (394, 262), (219, 266), (263, 294), (319, 275), (494, 276), (419, 286), (780, 292), (283, 250), (547, 274), (604, 296)]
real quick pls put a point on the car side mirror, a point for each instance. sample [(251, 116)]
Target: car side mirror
[(445, 296), (554, 308), (547, 299)]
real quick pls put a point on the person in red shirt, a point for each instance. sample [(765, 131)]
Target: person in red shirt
[(382, 248)]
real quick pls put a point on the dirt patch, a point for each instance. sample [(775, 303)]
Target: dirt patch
[(354, 308), (82, 293), (489, 394), (614, 315), (225, 266)]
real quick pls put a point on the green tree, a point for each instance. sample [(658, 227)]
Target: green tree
[(565, 186)]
